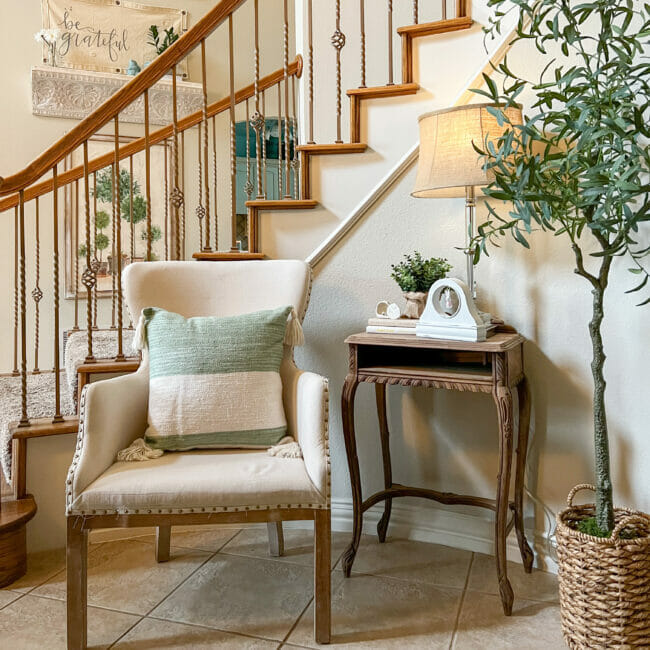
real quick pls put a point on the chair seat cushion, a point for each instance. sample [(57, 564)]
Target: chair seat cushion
[(200, 481), (215, 382)]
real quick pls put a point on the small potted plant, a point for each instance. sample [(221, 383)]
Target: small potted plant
[(415, 275), (579, 168), (161, 40)]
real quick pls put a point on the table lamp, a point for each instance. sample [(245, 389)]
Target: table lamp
[(448, 165)]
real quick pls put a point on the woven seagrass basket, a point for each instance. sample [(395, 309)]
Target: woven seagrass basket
[(604, 583)]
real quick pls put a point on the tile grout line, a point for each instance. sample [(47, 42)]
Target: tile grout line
[(460, 604), (182, 582), (295, 624)]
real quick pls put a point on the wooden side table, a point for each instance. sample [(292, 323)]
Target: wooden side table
[(494, 366)]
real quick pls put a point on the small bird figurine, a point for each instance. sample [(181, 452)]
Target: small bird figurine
[(133, 68)]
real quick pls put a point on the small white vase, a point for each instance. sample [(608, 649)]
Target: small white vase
[(415, 303)]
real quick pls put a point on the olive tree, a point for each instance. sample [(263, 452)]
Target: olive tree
[(579, 164)]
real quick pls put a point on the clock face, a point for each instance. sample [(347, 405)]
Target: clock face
[(446, 301)]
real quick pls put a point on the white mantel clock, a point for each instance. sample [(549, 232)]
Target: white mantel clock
[(450, 313)]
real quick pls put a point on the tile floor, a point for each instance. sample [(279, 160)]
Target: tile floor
[(222, 590)]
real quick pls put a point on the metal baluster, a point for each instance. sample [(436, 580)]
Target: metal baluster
[(205, 148), (24, 420), (113, 251), (287, 157), (248, 188), (37, 293), (131, 224), (280, 140), (147, 172), (257, 120), (88, 277), (338, 41), (215, 178), (200, 209), (167, 200), (310, 32), (16, 271), (390, 43), (75, 200), (57, 360), (183, 220), (176, 195), (416, 16), (95, 261), (295, 162), (233, 151), (444, 9), (264, 142), (362, 21), (117, 211)]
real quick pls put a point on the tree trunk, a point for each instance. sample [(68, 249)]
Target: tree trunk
[(604, 497)]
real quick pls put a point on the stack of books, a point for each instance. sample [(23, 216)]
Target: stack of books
[(392, 325)]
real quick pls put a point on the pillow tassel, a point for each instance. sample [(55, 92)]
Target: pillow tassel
[(140, 335), (294, 335)]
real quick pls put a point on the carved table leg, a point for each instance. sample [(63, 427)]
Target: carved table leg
[(380, 395), (503, 399), (347, 411), (523, 392)]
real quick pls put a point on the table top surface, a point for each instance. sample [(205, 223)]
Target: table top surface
[(499, 342)]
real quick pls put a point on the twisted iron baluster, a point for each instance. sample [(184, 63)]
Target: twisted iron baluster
[(310, 29), (362, 21), (248, 188), (200, 210), (118, 245), (206, 168), (24, 420), (214, 173), (390, 43), (16, 271), (338, 41), (55, 277), (88, 278), (287, 187), (147, 172), (37, 293), (257, 120), (295, 162)]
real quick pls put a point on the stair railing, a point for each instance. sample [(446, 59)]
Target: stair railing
[(100, 191)]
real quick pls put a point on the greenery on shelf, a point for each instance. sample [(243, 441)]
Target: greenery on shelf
[(160, 42), (579, 165), (417, 274)]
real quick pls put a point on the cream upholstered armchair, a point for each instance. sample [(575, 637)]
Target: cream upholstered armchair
[(206, 486)]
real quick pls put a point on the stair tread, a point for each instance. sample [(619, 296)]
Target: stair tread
[(436, 27), (282, 204), (16, 512), (384, 91), (333, 148), (41, 427)]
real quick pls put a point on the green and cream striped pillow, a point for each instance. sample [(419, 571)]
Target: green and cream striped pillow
[(215, 382)]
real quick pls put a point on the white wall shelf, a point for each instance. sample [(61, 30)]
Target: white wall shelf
[(64, 92)]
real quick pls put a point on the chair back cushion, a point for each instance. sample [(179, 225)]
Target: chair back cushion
[(215, 382), (217, 288)]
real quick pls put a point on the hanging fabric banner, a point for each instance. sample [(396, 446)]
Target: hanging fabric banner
[(104, 35)]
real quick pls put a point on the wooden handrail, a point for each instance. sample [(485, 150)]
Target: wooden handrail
[(112, 107), (132, 148)]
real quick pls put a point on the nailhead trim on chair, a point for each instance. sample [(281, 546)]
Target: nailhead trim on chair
[(180, 511), (79, 447)]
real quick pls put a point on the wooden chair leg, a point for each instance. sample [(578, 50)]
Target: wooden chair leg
[(322, 577), (163, 541), (276, 538), (77, 578)]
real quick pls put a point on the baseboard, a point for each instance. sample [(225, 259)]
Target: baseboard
[(435, 525)]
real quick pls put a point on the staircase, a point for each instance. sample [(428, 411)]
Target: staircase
[(56, 197)]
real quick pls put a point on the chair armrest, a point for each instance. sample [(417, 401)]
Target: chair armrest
[(112, 414), (306, 405)]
